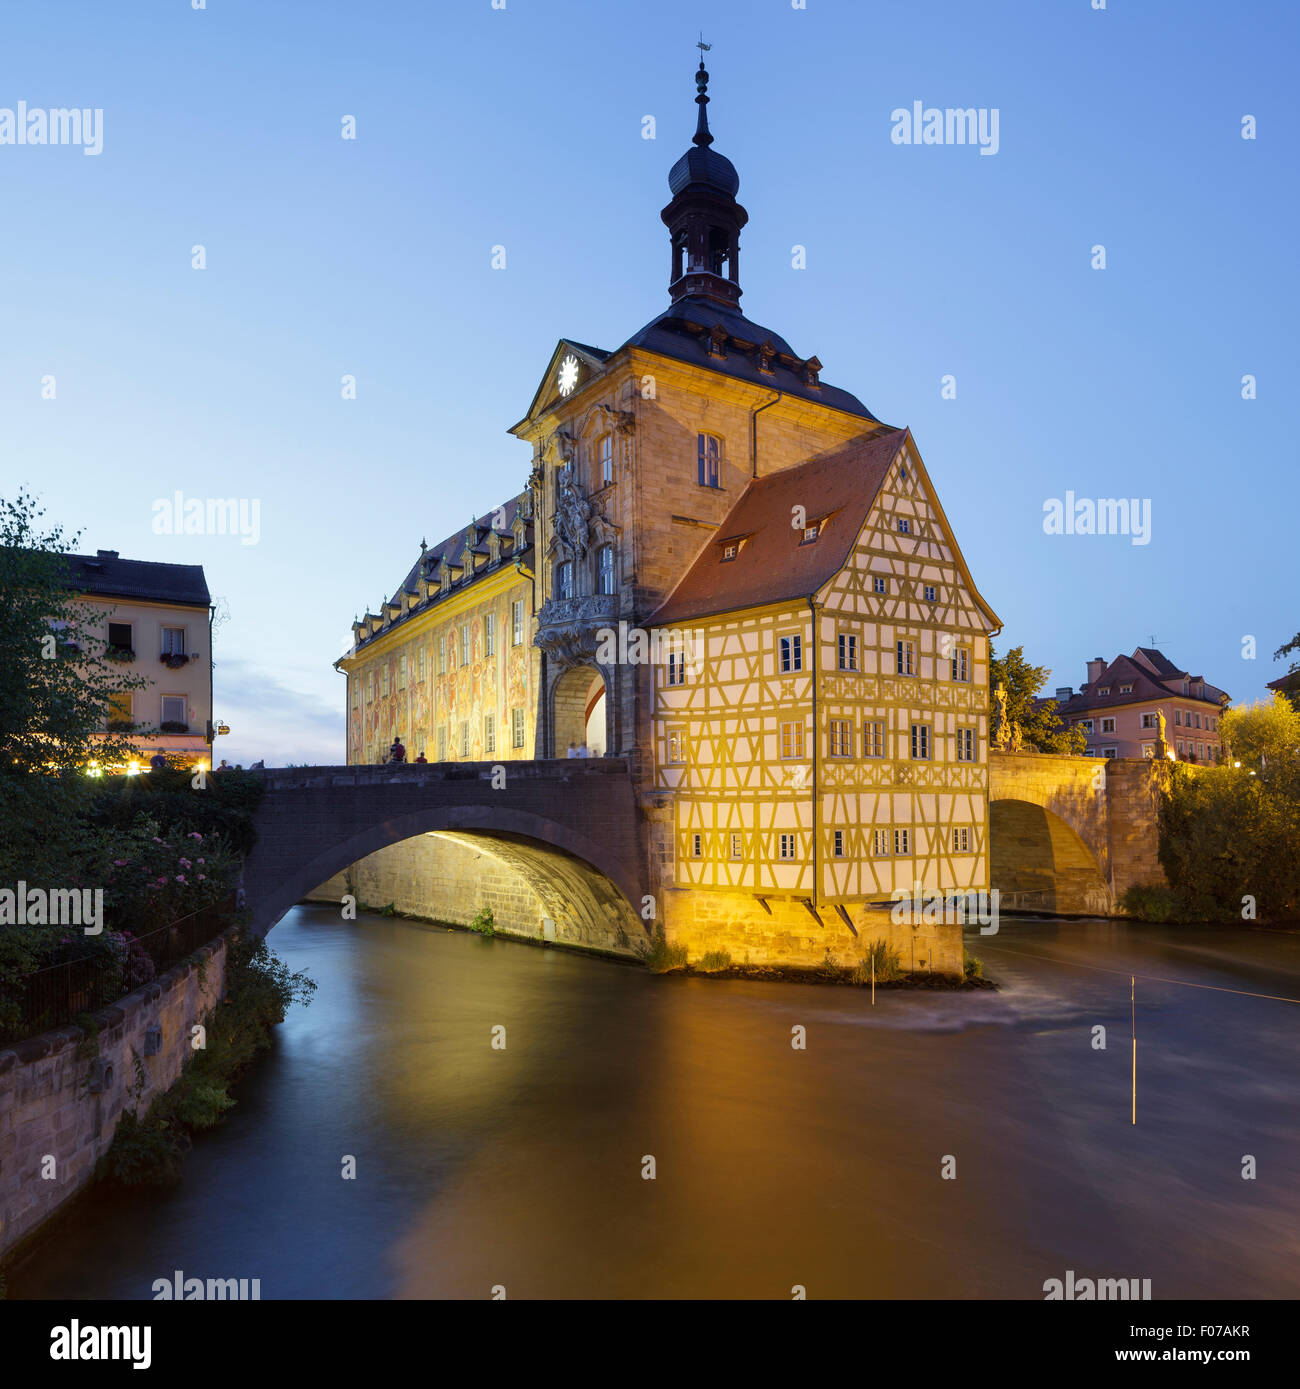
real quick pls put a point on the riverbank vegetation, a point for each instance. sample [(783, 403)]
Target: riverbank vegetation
[(150, 1149), (1230, 834)]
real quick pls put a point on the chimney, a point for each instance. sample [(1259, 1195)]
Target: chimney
[(106, 554), (1095, 668), (1064, 692)]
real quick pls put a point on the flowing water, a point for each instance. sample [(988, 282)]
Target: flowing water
[(773, 1167)]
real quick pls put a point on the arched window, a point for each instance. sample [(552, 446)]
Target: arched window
[(564, 580), (605, 569)]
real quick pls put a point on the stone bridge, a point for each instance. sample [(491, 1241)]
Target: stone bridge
[(1072, 834), (556, 847)]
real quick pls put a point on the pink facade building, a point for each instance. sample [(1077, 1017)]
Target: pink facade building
[(1120, 703)]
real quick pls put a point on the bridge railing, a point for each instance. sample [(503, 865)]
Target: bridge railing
[(419, 773)]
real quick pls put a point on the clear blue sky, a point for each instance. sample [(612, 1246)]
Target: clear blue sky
[(522, 127)]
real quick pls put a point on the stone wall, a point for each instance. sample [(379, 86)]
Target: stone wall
[(1133, 790), (48, 1111), (790, 934)]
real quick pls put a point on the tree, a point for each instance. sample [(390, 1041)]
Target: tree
[(1292, 691), (1041, 726), (1265, 738), (56, 685)]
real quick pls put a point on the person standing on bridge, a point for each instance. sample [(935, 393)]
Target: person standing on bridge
[(397, 753), (422, 757), (573, 751)]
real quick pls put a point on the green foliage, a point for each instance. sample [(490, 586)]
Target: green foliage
[(713, 961), (828, 968), (1152, 902), (1040, 727), (484, 922), (260, 990), (56, 682), (1228, 832), (1291, 690), (660, 957), (886, 961), (972, 967), (224, 807), (389, 910)]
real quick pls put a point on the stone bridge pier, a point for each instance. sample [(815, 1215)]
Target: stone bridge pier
[(554, 848), (1072, 834)]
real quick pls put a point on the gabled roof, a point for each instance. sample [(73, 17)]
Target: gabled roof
[(773, 565), (1153, 677), (593, 358), (107, 575), (453, 547)]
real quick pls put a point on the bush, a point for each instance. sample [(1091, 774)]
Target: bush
[(972, 967), (713, 961), (1152, 903), (484, 922), (886, 961), (660, 957)]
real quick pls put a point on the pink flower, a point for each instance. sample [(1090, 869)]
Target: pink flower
[(162, 880), (180, 877), (184, 862), (119, 863), (156, 840), (203, 877), (194, 834), (200, 860)]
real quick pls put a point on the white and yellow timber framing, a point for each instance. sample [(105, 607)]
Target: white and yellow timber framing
[(741, 781)]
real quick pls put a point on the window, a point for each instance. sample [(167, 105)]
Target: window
[(697, 846), (902, 471), (173, 709), (1109, 752), (873, 738), (848, 651), (489, 734), (905, 662), (420, 664), (1108, 725), (1178, 718), (879, 843), (902, 841), (921, 741), (564, 580), (810, 533), (119, 708), (464, 738), (839, 844), (792, 739), (1196, 719), (965, 745), (737, 846), (119, 636), (961, 840), (880, 585), (354, 683), (605, 459), (490, 634), (605, 569), (1123, 689), (517, 622), (1178, 747), (931, 593), (1200, 751), (841, 737), (401, 672), (370, 686), (383, 680), (1084, 723), (1148, 749), (1105, 690), (173, 641), (676, 668), (710, 451), (442, 654), (1148, 721), (676, 749), (442, 744), (787, 846), (791, 654), (517, 728), (961, 663), (464, 643), (904, 526), (730, 550)]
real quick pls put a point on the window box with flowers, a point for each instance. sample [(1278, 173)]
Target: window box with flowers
[(119, 653), (174, 660), (121, 726), (173, 726)]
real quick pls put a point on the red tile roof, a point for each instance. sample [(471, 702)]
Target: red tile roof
[(774, 565), (1152, 676)]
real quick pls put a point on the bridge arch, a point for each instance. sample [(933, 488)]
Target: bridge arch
[(1038, 861), (569, 830)]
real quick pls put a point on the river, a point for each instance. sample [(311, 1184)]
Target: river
[(774, 1167)]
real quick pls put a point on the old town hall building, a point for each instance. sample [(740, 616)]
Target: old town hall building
[(728, 572)]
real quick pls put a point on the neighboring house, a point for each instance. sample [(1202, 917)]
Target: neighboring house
[(157, 620), (1119, 706)]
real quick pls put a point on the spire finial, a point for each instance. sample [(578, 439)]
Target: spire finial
[(703, 137)]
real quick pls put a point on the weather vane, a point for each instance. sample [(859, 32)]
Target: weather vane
[(702, 46)]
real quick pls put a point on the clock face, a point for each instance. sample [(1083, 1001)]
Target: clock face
[(568, 377)]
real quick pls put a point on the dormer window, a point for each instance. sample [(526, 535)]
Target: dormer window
[(810, 533), (730, 550), (1124, 689), (1105, 690)]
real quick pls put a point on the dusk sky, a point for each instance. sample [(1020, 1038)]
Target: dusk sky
[(522, 127)]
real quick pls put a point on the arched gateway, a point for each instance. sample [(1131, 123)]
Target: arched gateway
[(568, 829)]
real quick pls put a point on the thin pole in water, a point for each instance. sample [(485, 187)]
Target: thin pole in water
[(873, 978), (1132, 999)]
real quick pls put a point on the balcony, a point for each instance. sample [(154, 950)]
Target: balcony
[(568, 629)]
